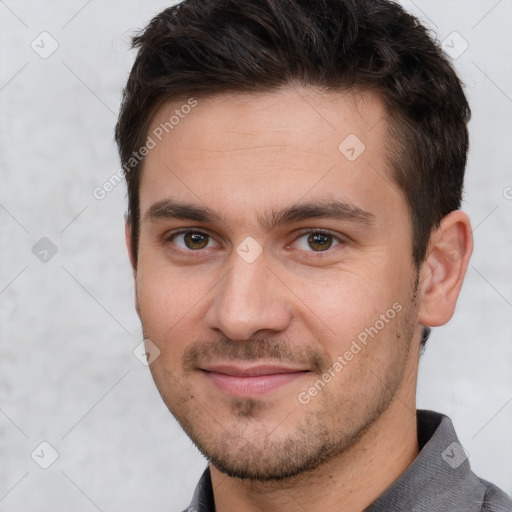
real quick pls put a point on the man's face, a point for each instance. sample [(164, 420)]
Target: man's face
[(275, 276)]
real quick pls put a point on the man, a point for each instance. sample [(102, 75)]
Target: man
[(295, 171)]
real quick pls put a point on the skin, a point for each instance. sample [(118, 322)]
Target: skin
[(298, 304)]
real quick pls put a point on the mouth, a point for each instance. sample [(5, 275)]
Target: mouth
[(255, 380)]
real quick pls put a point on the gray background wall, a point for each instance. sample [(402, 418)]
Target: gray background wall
[(68, 328)]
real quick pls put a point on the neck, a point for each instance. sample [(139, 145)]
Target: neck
[(349, 482)]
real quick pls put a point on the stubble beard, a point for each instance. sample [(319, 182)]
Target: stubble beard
[(246, 448)]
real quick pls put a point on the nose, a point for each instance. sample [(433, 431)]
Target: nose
[(249, 300)]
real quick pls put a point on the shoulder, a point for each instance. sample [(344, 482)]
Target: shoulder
[(495, 500)]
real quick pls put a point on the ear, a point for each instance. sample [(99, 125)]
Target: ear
[(128, 241), (443, 271)]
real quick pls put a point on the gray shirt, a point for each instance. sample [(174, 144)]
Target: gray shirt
[(439, 479)]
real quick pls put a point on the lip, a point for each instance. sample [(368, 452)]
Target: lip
[(247, 381)]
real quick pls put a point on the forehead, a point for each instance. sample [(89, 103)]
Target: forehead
[(275, 148), (288, 113)]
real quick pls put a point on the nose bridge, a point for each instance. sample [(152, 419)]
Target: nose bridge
[(248, 299)]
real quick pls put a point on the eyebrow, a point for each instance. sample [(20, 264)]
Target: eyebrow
[(338, 210)]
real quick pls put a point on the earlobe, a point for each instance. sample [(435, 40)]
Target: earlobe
[(444, 269)]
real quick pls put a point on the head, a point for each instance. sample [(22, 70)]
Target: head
[(314, 152)]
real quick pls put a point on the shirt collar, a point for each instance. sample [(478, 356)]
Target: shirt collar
[(439, 479)]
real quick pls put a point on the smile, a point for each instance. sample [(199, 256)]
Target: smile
[(251, 381)]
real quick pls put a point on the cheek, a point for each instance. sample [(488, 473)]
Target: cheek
[(165, 300), (345, 304)]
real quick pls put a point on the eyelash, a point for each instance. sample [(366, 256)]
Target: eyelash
[(301, 234)]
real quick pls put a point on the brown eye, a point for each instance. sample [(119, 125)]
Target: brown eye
[(194, 240), (316, 241), (320, 241), (191, 240)]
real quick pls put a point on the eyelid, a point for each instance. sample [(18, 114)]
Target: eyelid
[(307, 231), (169, 236)]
